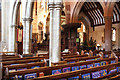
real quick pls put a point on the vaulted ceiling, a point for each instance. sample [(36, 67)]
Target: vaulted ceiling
[(95, 13)]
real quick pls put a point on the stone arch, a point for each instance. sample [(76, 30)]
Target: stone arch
[(77, 9), (13, 24), (27, 14), (108, 10), (86, 22), (29, 9)]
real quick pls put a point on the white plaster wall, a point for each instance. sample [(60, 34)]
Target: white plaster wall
[(117, 43), (119, 36), (99, 33)]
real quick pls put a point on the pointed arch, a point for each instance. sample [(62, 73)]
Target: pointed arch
[(77, 9)]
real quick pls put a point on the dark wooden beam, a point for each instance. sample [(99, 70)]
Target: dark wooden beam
[(93, 12), (99, 13), (118, 4), (104, 23), (100, 8), (95, 8), (116, 22), (90, 13), (117, 11), (115, 14), (96, 13)]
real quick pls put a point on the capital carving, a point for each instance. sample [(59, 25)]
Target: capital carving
[(108, 17), (27, 19), (55, 5), (15, 25)]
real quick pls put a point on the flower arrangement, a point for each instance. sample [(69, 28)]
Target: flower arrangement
[(89, 45)]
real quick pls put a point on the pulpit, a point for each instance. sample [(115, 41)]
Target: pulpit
[(69, 36)]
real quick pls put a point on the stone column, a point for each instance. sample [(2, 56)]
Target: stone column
[(55, 32), (12, 38), (108, 33), (26, 35)]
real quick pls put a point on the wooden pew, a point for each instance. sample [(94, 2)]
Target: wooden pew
[(117, 77), (62, 55), (21, 61), (77, 73), (8, 56), (80, 59), (21, 66), (44, 55), (59, 63), (108, 76), (6, 53), (25, 60), (47, 70), (75, 56), (5, 56), (12, 59)]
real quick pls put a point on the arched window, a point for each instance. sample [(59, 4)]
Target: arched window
[(84, 28), (113, 34)]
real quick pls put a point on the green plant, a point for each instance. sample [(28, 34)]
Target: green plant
[(89, 45)]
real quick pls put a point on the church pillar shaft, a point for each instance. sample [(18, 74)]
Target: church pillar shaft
[(55, 32), (12, 38), (108, 33), (26, 37)]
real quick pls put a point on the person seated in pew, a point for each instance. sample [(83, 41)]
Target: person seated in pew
[(82, 52), (34, 46)]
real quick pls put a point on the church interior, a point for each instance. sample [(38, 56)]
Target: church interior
[(59, 40)]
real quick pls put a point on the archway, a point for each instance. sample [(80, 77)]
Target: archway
[(78, 7), (27, 15)]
